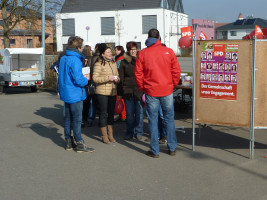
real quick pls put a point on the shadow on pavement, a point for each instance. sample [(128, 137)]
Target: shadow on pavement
[(48, 132)]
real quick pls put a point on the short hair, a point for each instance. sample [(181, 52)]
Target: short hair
[(120, 48), (130, 45), (153, 33), (76, 43), (71, 38)]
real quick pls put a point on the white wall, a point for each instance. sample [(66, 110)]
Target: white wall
[(239, 34), (131, 26)]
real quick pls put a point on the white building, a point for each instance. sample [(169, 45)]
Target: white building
[(119, 21), (239, 28)]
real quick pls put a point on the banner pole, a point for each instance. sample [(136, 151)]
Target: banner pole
[(252, 106), (194, 91)]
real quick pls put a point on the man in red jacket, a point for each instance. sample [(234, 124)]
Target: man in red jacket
[(157, 71)]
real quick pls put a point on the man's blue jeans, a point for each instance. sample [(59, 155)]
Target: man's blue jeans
[(134, 117), (73, 118), (92, 110), (152, 106)]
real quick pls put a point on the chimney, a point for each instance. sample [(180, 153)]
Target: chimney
[(240, 17)]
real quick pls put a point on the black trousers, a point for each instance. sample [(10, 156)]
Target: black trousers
[(106, 106), (86, 106)]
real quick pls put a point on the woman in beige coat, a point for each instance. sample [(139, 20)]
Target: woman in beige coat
[(106, 77)]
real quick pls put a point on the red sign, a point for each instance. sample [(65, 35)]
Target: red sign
[(218, 91), (219, 50), (202, 36), (258, 31), (187, 31)]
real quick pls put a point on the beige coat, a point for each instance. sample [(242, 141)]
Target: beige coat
[(100, 78)]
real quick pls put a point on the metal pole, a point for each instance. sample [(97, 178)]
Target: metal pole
[(194, 91), (43, 36), (87, 35), (252, 106)]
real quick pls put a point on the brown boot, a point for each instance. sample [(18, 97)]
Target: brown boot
[(110, 133), (104, 135)]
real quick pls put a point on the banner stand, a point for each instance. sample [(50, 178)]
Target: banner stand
[(254, 106), (194, 92)]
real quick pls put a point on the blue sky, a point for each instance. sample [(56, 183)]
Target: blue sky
[(225, 10)]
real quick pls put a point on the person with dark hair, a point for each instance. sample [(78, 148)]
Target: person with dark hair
[(105, 76), (131, 94), (72, 92), (119, 52), (157, 72), (87, 52)]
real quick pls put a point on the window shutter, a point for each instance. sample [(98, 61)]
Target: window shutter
[(107, 26), (149, 22), (68, 27)]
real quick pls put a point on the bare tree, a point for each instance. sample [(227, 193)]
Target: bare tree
[(15, 11)]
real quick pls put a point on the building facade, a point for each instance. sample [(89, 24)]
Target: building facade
[(27, 34), (238, 29), (117, 22), (207, 26)]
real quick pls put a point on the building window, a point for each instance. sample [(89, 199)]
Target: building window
[(224, 33), (107, 26), (29, 25), (149, 22), (29, 43), (233, 33), (68, 27), (138, 46), (11, 41)]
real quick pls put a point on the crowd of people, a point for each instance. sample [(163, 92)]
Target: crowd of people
[(137, 79)]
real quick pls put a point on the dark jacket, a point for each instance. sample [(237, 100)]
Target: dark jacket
[(128, 85)]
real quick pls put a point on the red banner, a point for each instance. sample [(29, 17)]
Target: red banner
[(258, 31), (218, 91), (203, 36), (187, 31)]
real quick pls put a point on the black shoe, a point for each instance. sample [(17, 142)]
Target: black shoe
[(172, 153), (68, 145), (149, 153), (128, 137), (81, 147), (73, 144)]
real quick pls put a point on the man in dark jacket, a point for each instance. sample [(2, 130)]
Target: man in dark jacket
[(157, 72), (72, 92)]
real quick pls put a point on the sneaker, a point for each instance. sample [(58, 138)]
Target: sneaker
[(139, 137), (172, 153), (128, 137), (149, 153), (81, 147), (73, 144), (68, 145), (163, 140)]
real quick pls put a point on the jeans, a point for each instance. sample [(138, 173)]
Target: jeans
[(134, 117), (107, 106), (92, 110), (73, 119), (162, 131), (166, 103)]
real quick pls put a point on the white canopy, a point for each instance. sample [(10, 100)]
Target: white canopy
[(9, 51)]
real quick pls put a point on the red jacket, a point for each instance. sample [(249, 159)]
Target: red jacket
[(157, 70)]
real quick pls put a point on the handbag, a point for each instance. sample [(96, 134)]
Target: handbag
[(90, 89)]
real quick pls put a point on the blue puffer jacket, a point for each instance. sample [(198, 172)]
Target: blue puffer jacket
[(71, 79)]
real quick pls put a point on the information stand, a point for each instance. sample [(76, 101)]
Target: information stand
[(234, 95)]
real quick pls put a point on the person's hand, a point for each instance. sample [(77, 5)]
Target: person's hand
[(116, 79), (111, 78)]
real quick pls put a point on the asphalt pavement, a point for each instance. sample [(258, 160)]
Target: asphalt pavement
[(35, 166)]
